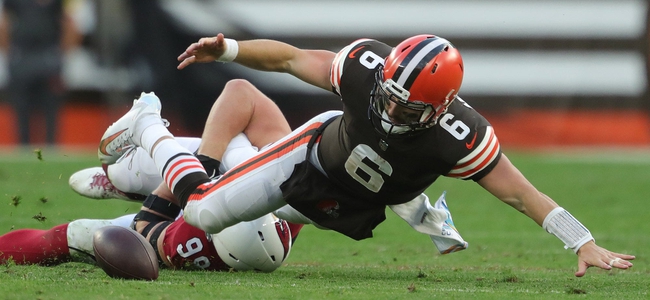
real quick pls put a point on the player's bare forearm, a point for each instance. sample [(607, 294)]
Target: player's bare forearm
[(266, 55), (260, 54), (510, 186), (311, 66)]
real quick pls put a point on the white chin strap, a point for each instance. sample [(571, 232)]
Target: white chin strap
[(395, 129)]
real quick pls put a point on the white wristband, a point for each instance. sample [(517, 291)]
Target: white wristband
[(232, 48), (567, 228)]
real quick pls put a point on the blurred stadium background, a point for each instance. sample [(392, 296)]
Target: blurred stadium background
[(546, 73)]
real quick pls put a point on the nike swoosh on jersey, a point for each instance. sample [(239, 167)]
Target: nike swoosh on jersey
[(354, 52), (105, 142), (470, 145), (336, 70), (485, 153)]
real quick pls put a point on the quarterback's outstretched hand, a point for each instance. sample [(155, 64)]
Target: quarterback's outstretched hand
[(591, 254), (205, 50)]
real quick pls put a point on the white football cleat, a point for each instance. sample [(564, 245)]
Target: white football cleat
[(125, 133), (93, 183)]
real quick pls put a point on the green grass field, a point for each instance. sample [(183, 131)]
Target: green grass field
[(509, 256)]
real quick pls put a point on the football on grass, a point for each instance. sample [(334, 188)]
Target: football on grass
[(123, 253)]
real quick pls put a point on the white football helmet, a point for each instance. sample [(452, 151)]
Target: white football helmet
[(262, 244)]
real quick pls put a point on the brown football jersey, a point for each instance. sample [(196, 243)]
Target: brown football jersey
[(392, 169)]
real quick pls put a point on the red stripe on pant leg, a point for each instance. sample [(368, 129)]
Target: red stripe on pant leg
[(246, 167)]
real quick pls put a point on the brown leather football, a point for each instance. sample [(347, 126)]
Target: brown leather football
[(123, 253)]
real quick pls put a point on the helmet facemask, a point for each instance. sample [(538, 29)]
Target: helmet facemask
[(405, 115)]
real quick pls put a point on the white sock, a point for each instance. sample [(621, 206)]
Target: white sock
[(135, 173), (150, 135)]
